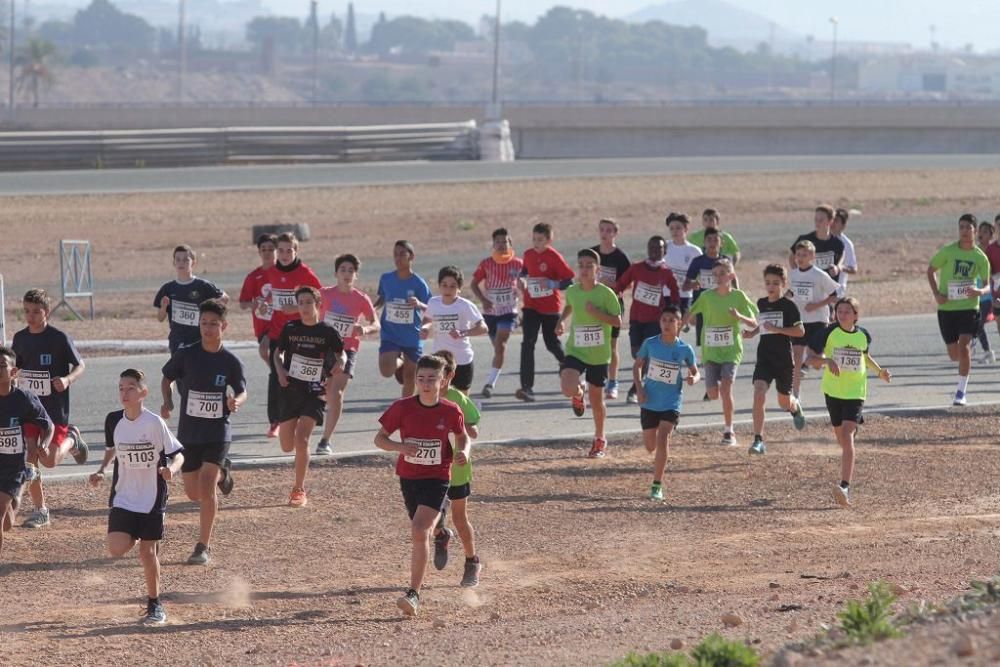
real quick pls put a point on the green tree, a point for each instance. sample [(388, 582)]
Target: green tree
[(287, 33), (331, 36), (103, 25), (416, 35), (351, 33)]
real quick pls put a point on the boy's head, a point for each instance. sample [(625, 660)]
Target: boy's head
[(713, 241), (996, 224), (587, 261), (822, 217), (37, 306), (847, 311), (775, 279), (267, 246), (723, 271), (840, 217), (985, 233), (805, 254), (678, 224), (607, 229), (8, 364), (670, 321), (403, 254), (430, 374), (449, 367), (288, 248), (346, 267), (212, 319), (184, 258), (450, 281), (656, 248), (710, 218), (501, 240), (132, 389), (307, 298), (541, 236), (967, 225)]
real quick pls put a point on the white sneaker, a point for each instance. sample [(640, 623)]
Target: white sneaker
[(959, 398), (989, 357), (842, 496), (729, 439), (37, 519)]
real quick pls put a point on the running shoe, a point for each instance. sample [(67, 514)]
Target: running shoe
[(579, 404), (31, 472), (323, 447), (959, 398), (226, 481), (706, 397), (989, 357), (598, 449), (155, 614), (80, 450), (441, 542), (656, 492), (758, 446), (409, 602), (798, 418), (842, 496), (272, 431), (728, 439), (200, 556), (487, 391), (611, 391), (471, 577), (633, 397), (525, 394), (37, 519), (297, 498)]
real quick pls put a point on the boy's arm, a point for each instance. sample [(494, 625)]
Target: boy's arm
[(166, 391), (463, 450), (109, 453), (383, 441), (173, 467), (883, 373)]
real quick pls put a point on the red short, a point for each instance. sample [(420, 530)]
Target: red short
[(31, 432)]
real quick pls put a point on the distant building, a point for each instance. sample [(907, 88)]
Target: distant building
[(932, 75)]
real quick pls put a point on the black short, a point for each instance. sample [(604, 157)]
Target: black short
[(459, 492), (463, 377), (616, 331), (351, 361), (650, 419), (11, 484), (428, 492), (195, 455), (956, 323), (844, 410), (595, 375), (781, 376), (640, 331), (811, 329), (294, 403), (140, 526), (684, 304)]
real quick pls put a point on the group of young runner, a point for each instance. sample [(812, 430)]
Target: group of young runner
[(310, 336)]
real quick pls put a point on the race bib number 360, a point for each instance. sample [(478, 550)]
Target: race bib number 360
[(11, 440), (37, 382), (184, 313), (136, 455), (205, 404), (428, 452)]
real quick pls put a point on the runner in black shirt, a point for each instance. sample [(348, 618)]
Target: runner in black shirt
[(614, 264), (179, 299), (829, 248)]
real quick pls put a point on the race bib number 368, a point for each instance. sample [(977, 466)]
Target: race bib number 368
[(306, 369)]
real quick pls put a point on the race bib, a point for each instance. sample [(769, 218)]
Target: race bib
[(205, 404), (591, 336), (706, 279), (428, 454), (718, 336), (775, 318), (399, 313), (680, 275), (11, 440), (647, 294), (263, 311), (136, 455), (539, 288), (824, 260), (663, 371), (446, 324), (956, 289), (501, 298), (184, 313), (607, 275), (802, 291), (848, 359), (37, 382), (282, 298), (343, 324), (306, 369)]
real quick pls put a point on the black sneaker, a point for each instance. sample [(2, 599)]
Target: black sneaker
[(201, 555), (525, 394), (80, 450), (441, 541), (471, 577), (409, 602), (155, 614), (226, 483), (323, 447)]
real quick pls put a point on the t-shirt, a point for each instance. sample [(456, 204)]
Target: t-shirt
[(204, 410), (500, 284), (613, 266), (310, 351), (428, 428), (42, 357), (400, 320), (774, 349), (653, 285), (811, 286), (589, 338), (847, 349), (141, 447), (342, 312), (701, 271), (462, 474), (959, 269), (544, 271), (182, 311), (257, 284), (666, 371), (678, 259), (992, 252), (729, 246), (828, 251), (721, 342), (850, 262), (283, 281), (460, 315), (17, 408)]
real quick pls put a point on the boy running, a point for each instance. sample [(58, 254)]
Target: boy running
[(18, 409), (778, 323), (828, 249), (710, 219), (699, 274), (813, 291), (308, 353), (178, 299), (402, 294), (454, 320), (203, 371), (962, 266), (985, 239), (425, 451), (545, 272), (48, 363), (146, 456), (850, 264), (680, 253), (614, 264), (657, 374), (495, 284), (843, 351), (343, 307), (594, 309), (993, 254), (723, 309), (256, 292), (653, 285)]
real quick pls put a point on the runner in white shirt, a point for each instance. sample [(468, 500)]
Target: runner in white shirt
[(453, 319), (812, 290), (850, 262), (680, 253)]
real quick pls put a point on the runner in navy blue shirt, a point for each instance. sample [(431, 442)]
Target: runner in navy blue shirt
[(178, 300)]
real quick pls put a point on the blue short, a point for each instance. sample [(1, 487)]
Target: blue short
[(411, 353), (497, 322)]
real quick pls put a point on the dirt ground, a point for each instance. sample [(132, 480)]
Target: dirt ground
[(132, 234), (579, 566)]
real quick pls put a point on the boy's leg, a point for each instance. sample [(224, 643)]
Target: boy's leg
[(759, 398), (460, 515), (726, 391), (150, 567), (797, 355), (500, 347), (569, 381), (613, 365), (713, 372), (530, 325), (286, 435), (120, 544), (421, 527), (336, 386), (598, 409), (662, 435), (6, 516), (273, 388), (845, 436), (552, 342), (303, 429), (409, 376), (388, 362), (208, 485)]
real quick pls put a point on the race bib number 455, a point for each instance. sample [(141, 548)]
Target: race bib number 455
[(399, 313), (428, 452)]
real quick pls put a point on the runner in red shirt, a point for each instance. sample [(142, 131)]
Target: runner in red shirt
[(257, 289)]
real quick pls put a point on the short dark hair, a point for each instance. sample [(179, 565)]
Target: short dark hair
[(451, 272), (776, 270), (213, 306), (543, 228), (430, 361), (843, 215), (267, 238), (9, 353), (500, 231), (825, 209), (970, 218), (288, 237), (403, 243), (986, 225), (657, 237), (588, 252), (710, 213), (307, 289), (609, 221), (185, 248), (674, 309), (347, 258), (678, 217), (38, 297), (449, 361), (135, 374), (711, 231)]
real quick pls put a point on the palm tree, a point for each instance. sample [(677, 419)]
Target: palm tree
[(34, 66)]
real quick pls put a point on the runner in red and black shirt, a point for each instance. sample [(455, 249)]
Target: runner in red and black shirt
[(256, 292)]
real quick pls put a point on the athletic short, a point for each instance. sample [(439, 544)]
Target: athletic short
[(811, 329), (11, 484), (639, 332), (616, 331), (463, 377), (350, 362), (844, 410), (411, 353), (495, 322), (715, 373), (780, 376), (195, 455), (428, 492), (59, 432), (650, 419), (294, 403), (684, 304), (996, 308), (459, 492), (595, 375), (140, 526), (956, 323)]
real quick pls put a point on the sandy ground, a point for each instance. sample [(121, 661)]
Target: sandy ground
[(579, 566), (132, 235)]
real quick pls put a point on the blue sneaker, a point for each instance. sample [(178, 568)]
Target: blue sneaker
[(959, 398), (798, 418), (155, 614), (758, 447), (611, 391)]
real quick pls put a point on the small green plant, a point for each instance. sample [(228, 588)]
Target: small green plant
[(466, 225), (654, 660), (717, 651), (869, 620)]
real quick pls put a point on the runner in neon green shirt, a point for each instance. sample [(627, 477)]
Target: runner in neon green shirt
[(710, 219)]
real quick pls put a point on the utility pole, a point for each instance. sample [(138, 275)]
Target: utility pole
[(314, 19), (10, 55), (496, 58), (181, 51), (833, 61)]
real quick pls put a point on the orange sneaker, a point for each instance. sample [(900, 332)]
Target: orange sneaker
[(297, 498), (599, 449)]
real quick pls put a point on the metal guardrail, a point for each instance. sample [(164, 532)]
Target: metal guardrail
[(209, 146)]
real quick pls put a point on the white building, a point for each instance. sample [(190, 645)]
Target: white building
[(930, 74)]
